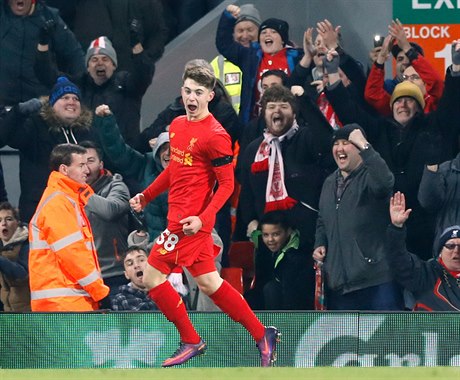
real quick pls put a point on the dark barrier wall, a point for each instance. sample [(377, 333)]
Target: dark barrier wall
[(139, 340)]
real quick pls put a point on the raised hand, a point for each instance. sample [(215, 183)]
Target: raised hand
[(456, 52), (398, 212), (136, 32), (396, 30), (330, 34), (46, 31)]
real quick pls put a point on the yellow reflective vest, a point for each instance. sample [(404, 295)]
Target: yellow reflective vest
[(231, 77)]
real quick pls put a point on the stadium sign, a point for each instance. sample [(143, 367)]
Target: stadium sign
[(433, 24)]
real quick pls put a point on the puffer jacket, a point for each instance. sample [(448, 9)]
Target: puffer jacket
[(35, 137), (18, 44)]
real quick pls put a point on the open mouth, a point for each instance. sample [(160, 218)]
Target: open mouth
[(192, 107), (277, 121), (20, 4), (342, 157), (139, 274), (100, 72), (268, 42)]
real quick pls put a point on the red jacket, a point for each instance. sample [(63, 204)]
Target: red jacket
[(379, 99)]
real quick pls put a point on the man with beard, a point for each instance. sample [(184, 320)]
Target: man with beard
[(133, 296), (285, 168)]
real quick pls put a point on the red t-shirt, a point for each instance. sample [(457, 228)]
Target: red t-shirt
[(276, 61), (191, 175)]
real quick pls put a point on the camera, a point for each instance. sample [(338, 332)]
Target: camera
[(378, 40)]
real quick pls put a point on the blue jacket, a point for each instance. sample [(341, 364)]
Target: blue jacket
[(247, 59)]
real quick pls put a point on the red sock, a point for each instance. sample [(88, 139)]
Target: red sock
[(235, 306), (172, 306)]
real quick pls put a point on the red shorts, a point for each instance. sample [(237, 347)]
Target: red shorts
[(196, 252)]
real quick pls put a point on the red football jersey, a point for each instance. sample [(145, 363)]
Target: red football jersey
[(191, 175)]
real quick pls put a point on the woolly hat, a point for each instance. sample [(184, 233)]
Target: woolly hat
[(101, 45), (344, 132), (396, 49), (407, 88), (248, 12), (452, 232), (281, 26), (62, 87)]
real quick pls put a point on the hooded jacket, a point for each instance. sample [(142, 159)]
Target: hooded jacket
[(63, 265), (35, 137), (14, 273)]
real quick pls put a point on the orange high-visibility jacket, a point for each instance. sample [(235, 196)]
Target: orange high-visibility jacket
[(64, 270)]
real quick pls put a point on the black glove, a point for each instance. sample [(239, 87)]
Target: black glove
[(138, 220), (434, 150), (31, 106), (331, 67), (46, 31), (455, 55), (135, 32)]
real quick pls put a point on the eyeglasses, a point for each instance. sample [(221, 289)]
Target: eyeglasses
[(411, 77), (451, 246)]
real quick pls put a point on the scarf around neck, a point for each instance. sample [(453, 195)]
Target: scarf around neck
[(269, 158)]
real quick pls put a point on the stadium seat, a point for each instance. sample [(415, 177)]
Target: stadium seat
[(241, 255), (234, 276)]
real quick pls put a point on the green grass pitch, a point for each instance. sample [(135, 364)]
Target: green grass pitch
[(327, 373)]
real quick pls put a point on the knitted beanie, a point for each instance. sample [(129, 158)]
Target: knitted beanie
[(101, 45), (452, 232), (248, 12), (344, 132), (281, 26), (410, 89), (62, 87)]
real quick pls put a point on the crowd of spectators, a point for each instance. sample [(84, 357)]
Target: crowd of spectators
[(327, 157)]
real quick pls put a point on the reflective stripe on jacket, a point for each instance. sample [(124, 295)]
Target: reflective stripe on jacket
[(63, 265)]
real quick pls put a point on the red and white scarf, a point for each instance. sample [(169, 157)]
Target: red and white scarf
[(269, 157)]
